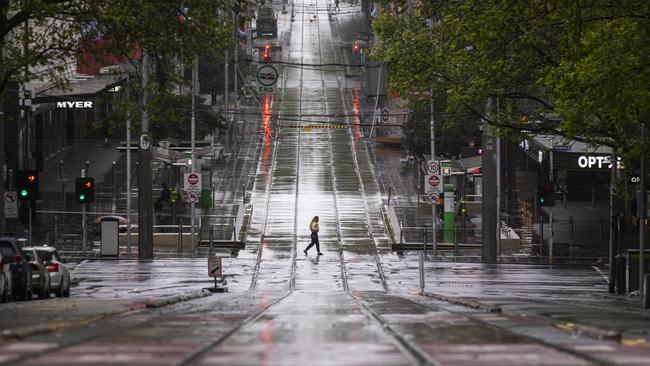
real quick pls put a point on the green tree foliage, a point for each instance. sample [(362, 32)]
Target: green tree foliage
[(576, 68), (39, 38), (173, 35)]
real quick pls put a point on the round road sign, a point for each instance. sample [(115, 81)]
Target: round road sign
[(193, 179), (192, 197), (433, 198), (434, 181), (434, 167), (267, 75)]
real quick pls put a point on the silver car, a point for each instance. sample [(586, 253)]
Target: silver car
[(6, 286), (59, 273)]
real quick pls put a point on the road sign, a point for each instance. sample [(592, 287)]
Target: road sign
[(434, 181), (192, 182), (11, 205), (433, 198), (214, 267), (145, 141), (192, 197), (385, 114), (267, 77), (433, 167)]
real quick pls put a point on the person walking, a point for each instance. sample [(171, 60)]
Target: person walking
[(336, 5), (313, 226)]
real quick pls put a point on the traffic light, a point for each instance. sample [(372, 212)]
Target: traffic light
[(266, 53), (27, 185), (546, 194), (356, 48), (85, 190)]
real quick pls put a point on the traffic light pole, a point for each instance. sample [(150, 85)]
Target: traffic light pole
[(84, 228)]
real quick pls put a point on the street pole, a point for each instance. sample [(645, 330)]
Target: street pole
[(84, 225), (433, 158), (145, 206), (612, 287), (226, 101), (3, 172), (236, 96), (488, 224), (498, 185), (642, 208), (195, 70), (128, 175), (550, 218)]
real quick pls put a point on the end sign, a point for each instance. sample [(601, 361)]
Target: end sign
[(267, 78)]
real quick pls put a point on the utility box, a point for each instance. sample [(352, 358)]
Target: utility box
[(110, 237), (632, 272)]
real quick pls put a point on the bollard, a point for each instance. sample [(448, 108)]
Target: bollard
[(400, 232), (421, 260), (646, 291), (455, 241), (234, 233), (571, 223), (180, 237)]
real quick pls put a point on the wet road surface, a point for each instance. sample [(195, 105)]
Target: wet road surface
[(355, 305)]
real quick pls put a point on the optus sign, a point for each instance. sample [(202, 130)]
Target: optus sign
[(597, 162)]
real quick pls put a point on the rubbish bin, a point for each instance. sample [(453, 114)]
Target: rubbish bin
[(110, 237)]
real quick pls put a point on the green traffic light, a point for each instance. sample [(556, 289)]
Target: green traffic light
[(541, 199), (23, 193), (82, 197)]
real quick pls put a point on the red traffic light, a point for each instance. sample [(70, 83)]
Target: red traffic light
[(267, 47), (266, 56), (88, 184), (356, 47), (31, 178)]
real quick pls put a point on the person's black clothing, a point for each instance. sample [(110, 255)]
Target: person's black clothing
[(314, 241)]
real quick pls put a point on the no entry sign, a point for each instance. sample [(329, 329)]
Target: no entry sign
[(192, 182), (434, 181)]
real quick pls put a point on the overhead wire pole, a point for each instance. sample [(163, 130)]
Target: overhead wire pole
[(433, 158), (642, 214), (193, 147), (128, 173), (145, 204)]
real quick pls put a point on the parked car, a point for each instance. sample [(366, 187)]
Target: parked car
[(5, 280), (59, 273), (21, 272), (40, 275)]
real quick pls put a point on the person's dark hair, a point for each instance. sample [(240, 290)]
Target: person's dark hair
[(314, 219)]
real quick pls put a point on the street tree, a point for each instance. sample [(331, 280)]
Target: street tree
[(579, 69)]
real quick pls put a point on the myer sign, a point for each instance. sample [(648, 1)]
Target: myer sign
[(596, 162), (81, 104)]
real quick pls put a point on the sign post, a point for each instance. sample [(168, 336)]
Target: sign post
[(215, 270)]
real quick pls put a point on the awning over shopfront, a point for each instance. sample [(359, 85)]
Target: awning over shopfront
[(567, 154), (78, 89), (472, 165)]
